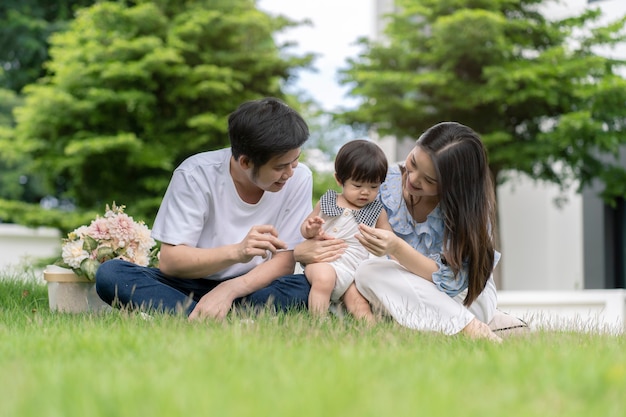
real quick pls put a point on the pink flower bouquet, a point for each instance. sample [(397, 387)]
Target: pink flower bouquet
[(116, 235)]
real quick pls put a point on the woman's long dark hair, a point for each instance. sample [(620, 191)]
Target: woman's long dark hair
[(467, 200)]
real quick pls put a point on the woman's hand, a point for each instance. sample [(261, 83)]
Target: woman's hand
[(321, 249), (379, 242)]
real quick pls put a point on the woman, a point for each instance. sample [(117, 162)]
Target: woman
[(441, 206)]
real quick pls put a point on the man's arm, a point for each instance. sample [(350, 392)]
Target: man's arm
[(217, 302), (184, 261)]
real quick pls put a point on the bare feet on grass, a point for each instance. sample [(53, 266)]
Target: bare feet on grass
[(476, 329)]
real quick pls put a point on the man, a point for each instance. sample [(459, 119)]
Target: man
[(228, 224)]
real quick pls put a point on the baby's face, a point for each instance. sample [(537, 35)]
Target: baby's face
[(360, 193)]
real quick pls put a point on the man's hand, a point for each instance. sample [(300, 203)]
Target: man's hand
[(321, 249), (258, 241), (215, 304)]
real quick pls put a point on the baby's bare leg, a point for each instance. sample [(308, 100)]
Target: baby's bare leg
[(357, 305), (322, 277)]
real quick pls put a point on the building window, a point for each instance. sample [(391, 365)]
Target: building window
[(620, 243), (615, 244)]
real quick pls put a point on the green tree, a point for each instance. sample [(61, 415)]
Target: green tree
[(544, 100), (14, 184), (133, 88), (25, 26)]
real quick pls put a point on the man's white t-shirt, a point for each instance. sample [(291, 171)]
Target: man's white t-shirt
[(201, 208)]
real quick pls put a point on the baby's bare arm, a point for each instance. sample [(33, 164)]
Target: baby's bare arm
[(312, 227)]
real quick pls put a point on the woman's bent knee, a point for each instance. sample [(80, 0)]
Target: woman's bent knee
[(370, 270)]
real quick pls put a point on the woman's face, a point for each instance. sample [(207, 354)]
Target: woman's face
[(421, 179)]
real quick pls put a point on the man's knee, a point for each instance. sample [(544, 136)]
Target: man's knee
[(106, 279), (290, 291)]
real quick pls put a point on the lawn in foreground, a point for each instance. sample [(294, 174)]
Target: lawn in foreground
[(119, 364)]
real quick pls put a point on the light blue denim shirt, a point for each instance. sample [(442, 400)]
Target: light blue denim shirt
[(426, 237)]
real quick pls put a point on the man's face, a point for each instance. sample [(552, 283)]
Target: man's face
[(273, 175)]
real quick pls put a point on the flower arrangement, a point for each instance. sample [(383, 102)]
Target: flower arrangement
[(116, 235)]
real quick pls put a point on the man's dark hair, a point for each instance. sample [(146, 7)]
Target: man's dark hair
[(265, 128)]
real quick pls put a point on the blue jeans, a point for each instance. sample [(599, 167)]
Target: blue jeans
[(124, 284)]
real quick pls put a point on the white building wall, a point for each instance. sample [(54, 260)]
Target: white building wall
[(20, 245), (541, 243)]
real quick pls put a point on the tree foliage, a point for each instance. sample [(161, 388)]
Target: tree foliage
[(133, 88), (544, 99), (25, 26), (35, 216)]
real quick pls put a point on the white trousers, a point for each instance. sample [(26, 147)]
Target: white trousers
[(417, 303)]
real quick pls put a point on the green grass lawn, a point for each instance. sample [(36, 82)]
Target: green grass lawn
[(119, 364)]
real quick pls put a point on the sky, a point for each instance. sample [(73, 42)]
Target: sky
[(336, 25)]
